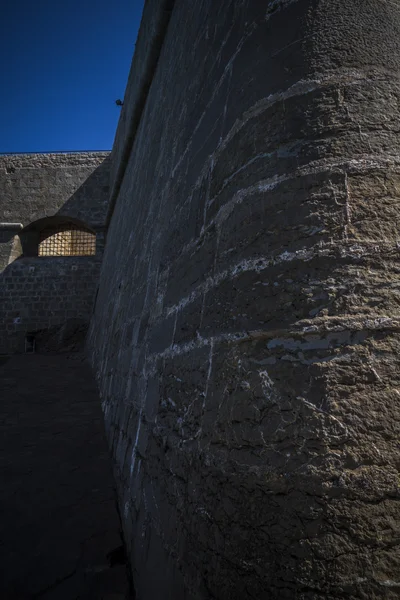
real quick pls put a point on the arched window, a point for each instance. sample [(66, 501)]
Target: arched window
[(58, 235), (67, 239)]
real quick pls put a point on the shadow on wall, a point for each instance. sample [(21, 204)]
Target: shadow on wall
[(87, 206), (68, 337), (89, 203), (52, 296)]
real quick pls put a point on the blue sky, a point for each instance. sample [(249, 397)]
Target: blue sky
[(63, 66)]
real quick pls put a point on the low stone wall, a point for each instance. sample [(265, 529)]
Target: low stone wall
[(41, 293)]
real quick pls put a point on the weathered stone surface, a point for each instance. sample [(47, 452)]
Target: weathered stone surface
[(42, 293), (33, 186), (38, 293), (245, 337)]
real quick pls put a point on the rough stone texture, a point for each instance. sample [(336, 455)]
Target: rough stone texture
[(245, 336), (10, 247), (156, 14), (35, 186), (41, 292), (66, 338), (59, 528)]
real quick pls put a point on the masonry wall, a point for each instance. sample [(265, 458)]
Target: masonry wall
[(43, 292), (245, 336), (33, 186)]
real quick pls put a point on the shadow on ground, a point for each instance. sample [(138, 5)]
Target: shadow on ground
[(59, 528)]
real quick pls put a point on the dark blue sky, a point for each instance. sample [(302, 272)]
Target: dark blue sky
[(64, 63)]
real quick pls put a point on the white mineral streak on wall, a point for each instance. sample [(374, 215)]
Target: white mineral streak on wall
[(242, 452), (209, 374), (348, 331), (135, 443), (213, 95), (275, 5), (345, 77), (347, 165), (261, 263), (267, 384)]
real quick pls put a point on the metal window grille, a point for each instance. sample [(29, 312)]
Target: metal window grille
[(67, 240)]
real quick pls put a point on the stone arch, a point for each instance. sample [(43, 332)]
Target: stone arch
[(58, 236)]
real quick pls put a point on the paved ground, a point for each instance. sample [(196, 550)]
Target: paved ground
[(58, 519)]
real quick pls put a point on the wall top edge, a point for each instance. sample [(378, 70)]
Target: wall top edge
[(47, 152)]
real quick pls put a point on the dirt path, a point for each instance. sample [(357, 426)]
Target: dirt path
[(58, 519)]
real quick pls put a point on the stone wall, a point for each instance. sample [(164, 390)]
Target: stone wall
[(41, 293), (155, 19), (33, 186), (245, 336), (37, 293)]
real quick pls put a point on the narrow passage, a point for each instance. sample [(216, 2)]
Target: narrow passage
[(59, 527)]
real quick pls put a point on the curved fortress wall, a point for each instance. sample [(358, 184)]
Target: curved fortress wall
[(245, 335), (37, 292)]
